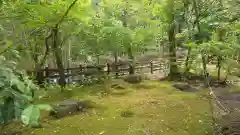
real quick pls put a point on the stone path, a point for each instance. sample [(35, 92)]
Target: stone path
[(228, 122)]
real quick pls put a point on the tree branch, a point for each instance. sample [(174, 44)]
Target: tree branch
[(47, 49), (7, 49), (66, 13)]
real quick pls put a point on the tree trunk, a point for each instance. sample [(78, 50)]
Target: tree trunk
[(58, 56), (219, 60), (172, 51), (116, 64), (129, 49), (40, 62), (131, 64), (187, 63), (204, 64), (196, 9)]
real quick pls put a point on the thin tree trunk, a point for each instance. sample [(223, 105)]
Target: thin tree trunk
[(58, 56), (187, 63), (39, 63), (131, 58), (116, 64), (129, 49), (38, 73), (219, 60), (204, 64), (172, 51), (57, 47)]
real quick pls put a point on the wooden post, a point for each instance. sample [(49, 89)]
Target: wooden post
[(108, 68), (81, 68), (161, 67), (47, 74), (116, 70), (69, 75), (131, 68), (151, 67), (40, 77), (66, 72)]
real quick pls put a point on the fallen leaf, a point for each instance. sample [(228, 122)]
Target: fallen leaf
[(101, 133)]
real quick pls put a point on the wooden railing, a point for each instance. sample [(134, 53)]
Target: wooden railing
[(108, 69)]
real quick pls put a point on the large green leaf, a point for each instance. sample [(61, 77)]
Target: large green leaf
[(31, 115), (19, 106), (17, 84)]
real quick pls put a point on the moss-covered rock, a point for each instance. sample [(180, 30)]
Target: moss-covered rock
[(69, 107), (133, 79)]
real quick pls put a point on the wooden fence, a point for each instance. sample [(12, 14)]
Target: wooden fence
[(91, 70)]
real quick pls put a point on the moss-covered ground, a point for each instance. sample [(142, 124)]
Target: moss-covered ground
[(149, 108)]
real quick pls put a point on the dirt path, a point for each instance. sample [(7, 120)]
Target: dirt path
[(227, 111)]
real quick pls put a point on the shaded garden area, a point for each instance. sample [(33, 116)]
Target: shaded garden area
[(137, 67), (147, 108)]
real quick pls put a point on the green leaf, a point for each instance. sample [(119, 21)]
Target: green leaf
[(31, 115), (45, 107), (17, 83)]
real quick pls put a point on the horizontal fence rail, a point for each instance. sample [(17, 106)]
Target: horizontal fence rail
[(114, 70)]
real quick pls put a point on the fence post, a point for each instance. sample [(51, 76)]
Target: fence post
[(40, 77), (70, 76), (47, 73), (116, 70), (151, 67), (81, 68), (161, 67), (108, 68), (131, 68)]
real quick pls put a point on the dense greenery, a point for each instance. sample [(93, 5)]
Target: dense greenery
[(16, 94), (75, 31), (64, 33)]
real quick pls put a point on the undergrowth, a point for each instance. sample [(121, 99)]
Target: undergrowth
[(150, 108)]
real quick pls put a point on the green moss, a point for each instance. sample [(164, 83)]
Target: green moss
[(158, 109), (127, 113)]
